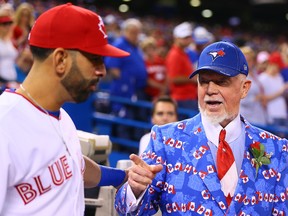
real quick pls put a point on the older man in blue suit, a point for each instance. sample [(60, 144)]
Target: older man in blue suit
[(189, 169)]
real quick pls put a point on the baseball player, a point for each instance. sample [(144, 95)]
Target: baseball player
[(42, 168)]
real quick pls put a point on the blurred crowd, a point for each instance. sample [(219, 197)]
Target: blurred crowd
[(163, 55)]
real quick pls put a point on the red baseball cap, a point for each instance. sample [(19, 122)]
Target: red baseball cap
[(6, 19), (72, 27), (275, 58)]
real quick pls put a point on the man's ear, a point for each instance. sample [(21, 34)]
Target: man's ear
[(60, 61), (245, 88)]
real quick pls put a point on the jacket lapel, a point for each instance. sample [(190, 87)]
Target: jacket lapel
[(202, 160), (246, 182)]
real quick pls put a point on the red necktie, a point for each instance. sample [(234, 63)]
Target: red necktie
[(226, 167)]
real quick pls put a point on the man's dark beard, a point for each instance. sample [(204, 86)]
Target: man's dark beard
[(76, 84)]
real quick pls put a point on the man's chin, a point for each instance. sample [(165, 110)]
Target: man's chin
[(81, 98), (213, 118)]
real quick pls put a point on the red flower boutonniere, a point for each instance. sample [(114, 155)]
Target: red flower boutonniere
[(260, 156)]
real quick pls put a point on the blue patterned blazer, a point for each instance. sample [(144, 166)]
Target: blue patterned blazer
[(188, 183)]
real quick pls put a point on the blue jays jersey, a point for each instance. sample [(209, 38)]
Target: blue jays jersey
[(188, 183)]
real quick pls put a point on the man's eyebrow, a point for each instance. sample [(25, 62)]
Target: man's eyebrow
[(91, 56), (159, 112)]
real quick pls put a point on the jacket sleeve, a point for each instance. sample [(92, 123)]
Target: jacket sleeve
[(154, 154), (281, 190)]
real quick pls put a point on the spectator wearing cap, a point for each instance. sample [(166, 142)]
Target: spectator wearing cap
[(8, 53), (129, 77), (112, 27), (274, 90), (43, 171), (209, 164), (179, 67), (253, 106), (201, 38), (262, 61)]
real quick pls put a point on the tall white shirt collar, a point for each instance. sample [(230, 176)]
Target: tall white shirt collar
[(233, 130)]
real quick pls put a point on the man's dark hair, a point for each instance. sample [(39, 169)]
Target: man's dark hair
[(164, 98), (40, 53)]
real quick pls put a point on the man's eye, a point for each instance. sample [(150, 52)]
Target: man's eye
[(202, 82), (97, 60), (222, 82)]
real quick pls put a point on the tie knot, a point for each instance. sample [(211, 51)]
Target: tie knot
[(222, 135)]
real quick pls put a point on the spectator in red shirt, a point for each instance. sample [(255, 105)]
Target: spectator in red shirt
[(156, 69), (179, 67)]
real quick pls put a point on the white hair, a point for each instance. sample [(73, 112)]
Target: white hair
[(131, 22)]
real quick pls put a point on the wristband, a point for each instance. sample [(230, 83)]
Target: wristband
[(111, 176)]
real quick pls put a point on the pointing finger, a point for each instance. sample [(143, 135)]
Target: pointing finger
[(138, 161), (156, 168)]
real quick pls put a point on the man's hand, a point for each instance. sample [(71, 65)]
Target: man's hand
[(141, 174)]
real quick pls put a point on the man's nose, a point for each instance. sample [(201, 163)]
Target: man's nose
[(212, 88)]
